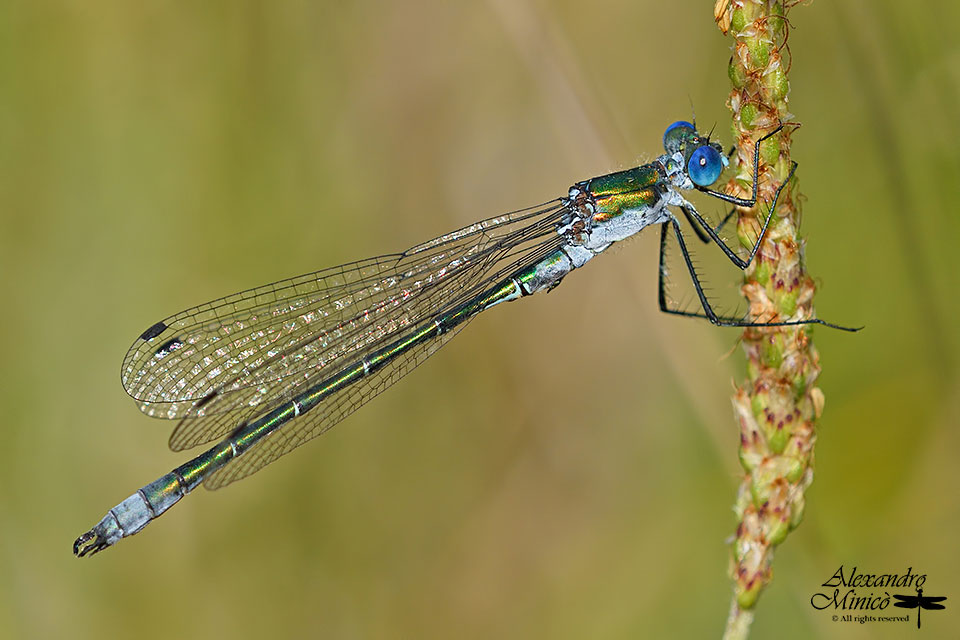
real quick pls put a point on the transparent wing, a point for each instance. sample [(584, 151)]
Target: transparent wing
[(339, 405), (218, 364), (323, 417)]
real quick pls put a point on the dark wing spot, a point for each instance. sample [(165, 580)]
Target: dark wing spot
[(153, 331), (205, 399), (169, 345)]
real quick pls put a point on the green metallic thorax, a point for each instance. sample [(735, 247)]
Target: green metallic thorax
[(631, 189)]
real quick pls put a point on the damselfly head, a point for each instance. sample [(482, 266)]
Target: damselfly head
[(704, 159)]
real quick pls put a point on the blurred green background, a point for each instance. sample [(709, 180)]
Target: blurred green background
[(566, 468)]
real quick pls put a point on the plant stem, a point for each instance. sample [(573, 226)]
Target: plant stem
[(777, 405)]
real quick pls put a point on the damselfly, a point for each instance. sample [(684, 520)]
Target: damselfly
[(262, 371)]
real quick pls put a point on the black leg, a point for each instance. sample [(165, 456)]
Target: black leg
[(662, 279), (709, 314), (691, 212), (725, 220), (704, 238), (734, 258), (662, 276), (752, 200)]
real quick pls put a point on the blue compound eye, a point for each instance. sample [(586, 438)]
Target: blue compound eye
[(705, 166), (677, 135)]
